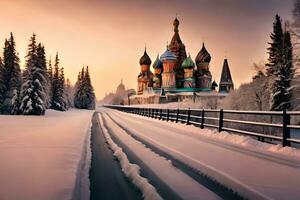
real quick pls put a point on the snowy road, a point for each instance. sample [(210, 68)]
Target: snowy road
[(106, 178), (253, 174)]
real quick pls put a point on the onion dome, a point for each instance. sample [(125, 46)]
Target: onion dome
[(203, 56), (188, 63), (168, 55), (145, 59), (157, 63)]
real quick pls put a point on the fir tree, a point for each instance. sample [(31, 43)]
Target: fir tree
[(42, 65), (58, 101), (50, 82), (78, 90), (276, 48), (288, 71), (11, 75), (84, 97), (280, 68), (33, 95), (91, 99)]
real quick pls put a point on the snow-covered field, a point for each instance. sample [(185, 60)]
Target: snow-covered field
[(255, 170), (41, 157)]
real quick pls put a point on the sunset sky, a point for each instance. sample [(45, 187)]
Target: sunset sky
[(110, 36)]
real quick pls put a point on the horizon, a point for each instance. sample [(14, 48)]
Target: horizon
[(84, 40)]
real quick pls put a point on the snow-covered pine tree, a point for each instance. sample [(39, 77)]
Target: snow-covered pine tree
[(91, 99), (276, 68), (79, 90), (12, 78), (275, 50), (50, 79), (58, 101), (32, 95), (288, 71), (62, 87), (42, 65), (84, 97)]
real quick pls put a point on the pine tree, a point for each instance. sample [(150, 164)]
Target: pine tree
[(79, 90), (33, 95), (276, 48), (42, 65), (288, 71), (275, 66), (280, 67), (91, 99), (84, 97), (11, 76), (50, 82), (58, 101)]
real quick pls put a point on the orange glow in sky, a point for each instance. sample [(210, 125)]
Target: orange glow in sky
[(110, 36)]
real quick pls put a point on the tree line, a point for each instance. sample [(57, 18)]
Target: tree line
[(40, 85)]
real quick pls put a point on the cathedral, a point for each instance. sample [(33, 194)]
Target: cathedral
[(175, 71)]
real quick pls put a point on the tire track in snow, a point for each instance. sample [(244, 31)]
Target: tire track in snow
[(164, 190), (131, 171), (180, 183), (219, 189)]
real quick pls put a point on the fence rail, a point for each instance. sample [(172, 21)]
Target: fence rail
[(279, 127)]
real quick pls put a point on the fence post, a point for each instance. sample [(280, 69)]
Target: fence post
[(188, 116), (177, 115), (285, 129), (168, 113), (160, 113), (221, 120), (202, 119)]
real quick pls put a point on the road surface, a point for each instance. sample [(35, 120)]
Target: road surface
[(223, 169), (106, 178)]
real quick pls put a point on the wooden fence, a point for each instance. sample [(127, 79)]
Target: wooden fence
[(266, 126)]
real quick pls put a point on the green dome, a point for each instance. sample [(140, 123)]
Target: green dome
[(188, 63)]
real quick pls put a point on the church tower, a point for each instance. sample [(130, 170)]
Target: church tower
[(145, 78), (178, 48), (158, 68), (226, 83), (202, 74), (169, 61)]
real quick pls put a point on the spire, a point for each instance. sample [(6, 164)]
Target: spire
[(176, 24), (176, 45), (226, 75)]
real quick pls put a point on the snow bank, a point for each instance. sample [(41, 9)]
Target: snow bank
[(234, 139), (41, 157), (131, 171)]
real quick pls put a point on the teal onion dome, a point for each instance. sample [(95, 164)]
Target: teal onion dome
[(145, 59), (157, 63), (168, 55), (188, 63), (203, 56)]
